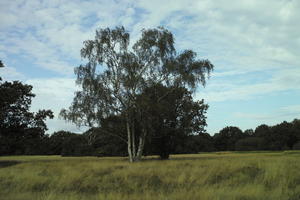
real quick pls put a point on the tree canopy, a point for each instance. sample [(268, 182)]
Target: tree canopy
[(19, 128), (173, 117), (115, 75)]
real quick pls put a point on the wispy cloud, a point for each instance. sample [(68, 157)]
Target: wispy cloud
[(11, 73), (242, 86), (54, 94), (254, 44), (218, 30), (286, 113), (51, 33)]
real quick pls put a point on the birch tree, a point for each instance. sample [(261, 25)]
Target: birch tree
[(116, 73)]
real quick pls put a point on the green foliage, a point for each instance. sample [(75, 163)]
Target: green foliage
[(166, 139), (225, 140), (21, 131), (108, 140), (126, 74), (202, 142), (115, 76), (171, 119), (76, 145), (57, 140), (281, 136), (223, 176), (249, 144)]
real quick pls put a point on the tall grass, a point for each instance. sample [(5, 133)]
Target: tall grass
[(243, 176)]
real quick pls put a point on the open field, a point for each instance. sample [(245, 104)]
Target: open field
[(243, 176)]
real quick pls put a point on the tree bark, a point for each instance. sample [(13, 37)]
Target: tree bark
[(129, 145), (133, 141), (141, 145)]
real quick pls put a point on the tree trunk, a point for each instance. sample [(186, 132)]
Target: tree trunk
[(133, 141), (141, 145), (134, 154), (129, 145)]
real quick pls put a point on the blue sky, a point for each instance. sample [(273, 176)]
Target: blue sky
[(254, 45)]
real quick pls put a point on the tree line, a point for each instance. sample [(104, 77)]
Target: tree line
[(137, 100), (283, 136), (95, 142), (23, 132)]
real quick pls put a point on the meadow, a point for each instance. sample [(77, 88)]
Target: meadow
[(223, 175)]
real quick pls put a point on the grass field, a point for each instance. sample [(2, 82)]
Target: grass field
[(243, 176)]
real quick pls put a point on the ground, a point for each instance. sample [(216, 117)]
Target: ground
[(224, 175)]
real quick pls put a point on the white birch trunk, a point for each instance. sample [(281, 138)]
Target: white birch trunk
[(141, 145), (129, 145), (133, 141)]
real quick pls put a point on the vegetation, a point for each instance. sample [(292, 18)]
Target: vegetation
[(116, 79), (21, 131), (159, 116), (224, 175), (138, 102), (177, 123)]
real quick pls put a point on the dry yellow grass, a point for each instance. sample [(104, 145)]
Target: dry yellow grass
[(224, 175)]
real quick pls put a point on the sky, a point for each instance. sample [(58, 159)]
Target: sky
[(253, 44)]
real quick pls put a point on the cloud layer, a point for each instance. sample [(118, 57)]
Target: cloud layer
[(253, 44)]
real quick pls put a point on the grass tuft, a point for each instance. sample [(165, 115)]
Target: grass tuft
[(216, 176)]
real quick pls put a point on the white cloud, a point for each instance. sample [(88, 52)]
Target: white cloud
[(235, 88), (42, 54), (249, 36), (52, 33), (245, 33), (291, 110), (275, 116), (252, 119), (54, 94), (10, 73)]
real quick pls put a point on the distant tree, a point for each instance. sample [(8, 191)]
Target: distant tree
[(202, 142), (225, 140), (249, 144), (262, 131), (57, 140), (249, 132), (279, 137), (20, 129), (125, 73), (296, 128), (283, 136), (76, 145)]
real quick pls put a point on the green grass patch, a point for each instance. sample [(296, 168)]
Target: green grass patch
[(220, 176)]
